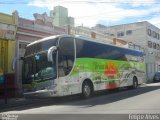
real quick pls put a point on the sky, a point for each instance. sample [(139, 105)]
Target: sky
[(90, 12)]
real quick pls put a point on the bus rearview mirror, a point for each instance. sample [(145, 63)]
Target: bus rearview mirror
[(50, 51)]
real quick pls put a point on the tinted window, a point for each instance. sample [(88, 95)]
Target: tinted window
[(90, 49), (41, 46), (65, 55), (158, 74), (38, 68)]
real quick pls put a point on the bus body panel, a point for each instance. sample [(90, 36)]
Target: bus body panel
[(77, 59)]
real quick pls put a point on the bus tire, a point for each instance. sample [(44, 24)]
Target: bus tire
[(135, 83), (87, 89)]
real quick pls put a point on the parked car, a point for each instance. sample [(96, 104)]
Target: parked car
[(156, 77)]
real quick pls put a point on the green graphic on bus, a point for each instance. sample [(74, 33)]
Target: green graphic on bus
[(110, 71)]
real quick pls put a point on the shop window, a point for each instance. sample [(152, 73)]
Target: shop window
[(149, 32), (128, 32), (149, 44), (154, 34), (158, 47), (111, 34), (157, 36), (120, 34), (154, 45)]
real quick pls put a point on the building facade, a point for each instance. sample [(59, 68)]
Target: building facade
[(141, 33), (60, 17), (8, 30), (87, 32)]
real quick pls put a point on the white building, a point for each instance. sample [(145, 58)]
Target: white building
[(87, 32), (60, 17), (141, 33)]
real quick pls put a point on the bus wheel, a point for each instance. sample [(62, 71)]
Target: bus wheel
[(87, 89), (135, 83)]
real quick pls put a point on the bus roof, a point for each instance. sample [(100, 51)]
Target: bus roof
[(80, 37), (43, 39), (92, 40)]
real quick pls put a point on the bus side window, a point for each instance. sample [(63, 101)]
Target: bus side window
[(65, 56)]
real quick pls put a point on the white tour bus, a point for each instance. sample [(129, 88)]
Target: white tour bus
[(66, 65)]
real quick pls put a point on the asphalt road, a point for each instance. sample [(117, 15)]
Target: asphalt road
[(144, 100)]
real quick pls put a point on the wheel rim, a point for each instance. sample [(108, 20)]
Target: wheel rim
[(87, 90)]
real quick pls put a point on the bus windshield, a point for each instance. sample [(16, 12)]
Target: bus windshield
[(37, 68)]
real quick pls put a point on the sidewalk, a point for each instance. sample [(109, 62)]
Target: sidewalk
[(13, 102)]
